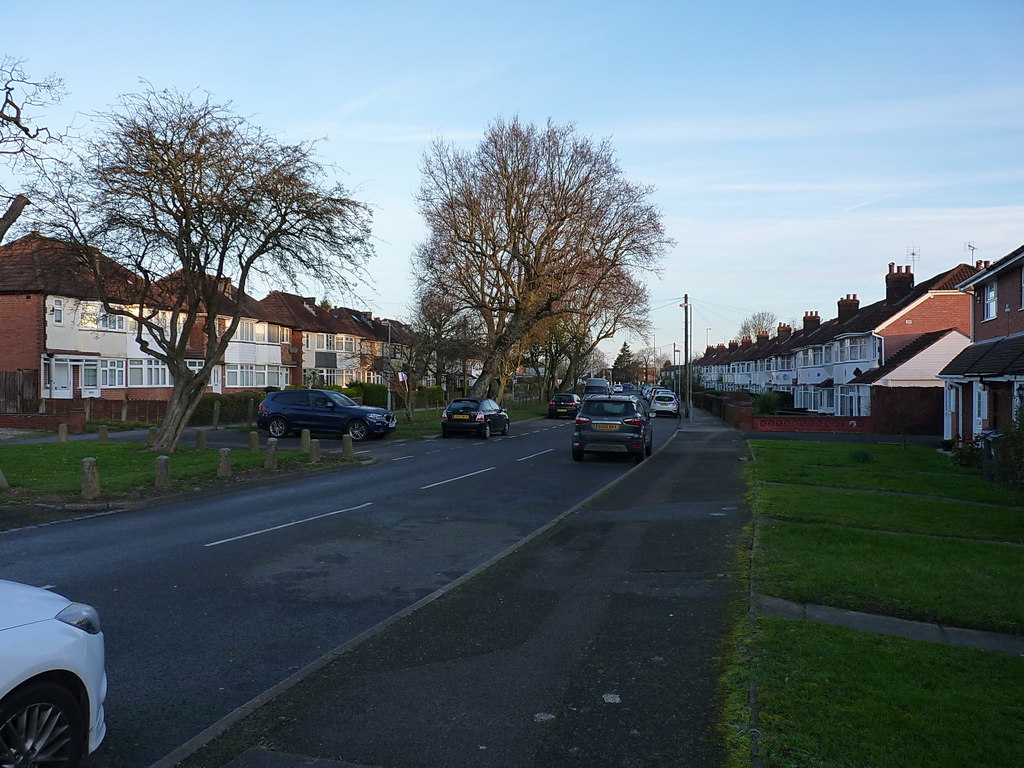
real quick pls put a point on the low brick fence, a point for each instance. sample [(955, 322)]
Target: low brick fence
[(45, 421), (841, 424)]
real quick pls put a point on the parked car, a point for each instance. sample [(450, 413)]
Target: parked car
[(613, 424), (322, 410), (474, 415), (567, 405), (52, 678), (665, 402)]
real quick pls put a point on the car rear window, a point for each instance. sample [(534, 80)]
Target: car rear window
[(665, 398), (605, 408), (563, 398)]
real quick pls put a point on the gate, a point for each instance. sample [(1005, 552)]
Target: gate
[(19, 391)]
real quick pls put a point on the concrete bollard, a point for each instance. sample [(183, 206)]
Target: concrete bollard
[(163, 473), (270, 460), (151, 440), (4, 485), (304, 445), (254, 441), (224, 463), (346, 447), (90, 479), (201, 439), (62, 433), (216, 414), (314, 450), (104, 435)]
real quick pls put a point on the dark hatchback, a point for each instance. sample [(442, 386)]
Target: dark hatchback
[(322, 410), (564, 406), (474, 415), (613, 424)]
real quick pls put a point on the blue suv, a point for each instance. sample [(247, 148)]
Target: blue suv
[(322, 410)]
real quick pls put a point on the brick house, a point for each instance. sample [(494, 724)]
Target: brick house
[(984, 384), (839, 366)]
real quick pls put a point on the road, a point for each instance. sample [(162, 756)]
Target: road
[(209, 601)]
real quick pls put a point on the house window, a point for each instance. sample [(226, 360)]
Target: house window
[(348, 344), (325, 341), (1022, 287), (148, 373), (111, 373), (58, 311), (990, 301), (246, 331), (241, 375), (274, 334), (90, 316), (111, 322), (90, 375)]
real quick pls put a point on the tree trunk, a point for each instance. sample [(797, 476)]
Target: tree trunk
[(11, 215), (184, 399)]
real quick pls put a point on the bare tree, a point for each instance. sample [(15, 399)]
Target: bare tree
[(759, 322), (530, 219), (195, 200), (22, 142)]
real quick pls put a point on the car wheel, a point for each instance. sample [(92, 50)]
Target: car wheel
[(41, 724), (278, 427), (358, 430), (504, 430), (649, 447), (577, 455), (445, 433), (485, 430)]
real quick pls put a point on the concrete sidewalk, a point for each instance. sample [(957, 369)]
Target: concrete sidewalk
[(596, 643)]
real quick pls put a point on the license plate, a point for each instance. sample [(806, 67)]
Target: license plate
[(561, 410), (609, 427), (461, 416)]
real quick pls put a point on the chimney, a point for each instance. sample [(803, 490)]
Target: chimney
[(848, 307), (812, 320), (710, 350), (898, 283), (733, 345), (784, 331), (720, 348), (762, 338), (746, 343)]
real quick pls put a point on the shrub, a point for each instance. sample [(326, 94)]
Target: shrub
[(371, 394), (860, 456), (767, 403), (234, 408)]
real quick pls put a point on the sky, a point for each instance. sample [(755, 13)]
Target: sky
[(795, 148)]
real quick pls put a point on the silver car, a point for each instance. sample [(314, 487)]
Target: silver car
[(665, 402)]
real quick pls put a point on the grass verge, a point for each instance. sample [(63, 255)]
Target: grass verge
[(888, 530)]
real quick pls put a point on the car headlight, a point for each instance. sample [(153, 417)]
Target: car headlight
[(376, 417), (82, 616)]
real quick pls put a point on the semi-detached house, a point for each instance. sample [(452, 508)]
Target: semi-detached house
[(985, 382), (58, 335), (837, 367)]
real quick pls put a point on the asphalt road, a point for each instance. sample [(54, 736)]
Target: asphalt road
[(208, 601)]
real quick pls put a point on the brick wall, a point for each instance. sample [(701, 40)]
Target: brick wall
[(22, 319), (47, 421), (937, 313), (1008, 294)]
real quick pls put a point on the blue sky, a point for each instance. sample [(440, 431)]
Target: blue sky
[(796, 148)]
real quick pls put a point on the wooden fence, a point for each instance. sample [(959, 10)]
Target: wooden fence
[(19, 391)]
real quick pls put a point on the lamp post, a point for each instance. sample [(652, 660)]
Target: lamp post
[(686, 352)]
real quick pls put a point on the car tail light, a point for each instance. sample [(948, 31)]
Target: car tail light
[(444, 416), (582, 420), (263, 408), (634, 421), (552, 403), (479, 415)]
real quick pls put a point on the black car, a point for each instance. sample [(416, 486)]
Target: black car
[(322, 410), (475, 415), (613, 424), (564, 405)]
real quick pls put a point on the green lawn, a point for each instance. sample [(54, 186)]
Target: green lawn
[(889, 530), (831, 696)]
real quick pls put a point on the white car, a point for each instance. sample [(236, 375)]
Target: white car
[(665, 402), (52, 678)]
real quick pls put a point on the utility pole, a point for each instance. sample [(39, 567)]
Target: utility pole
[(686, 352)]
